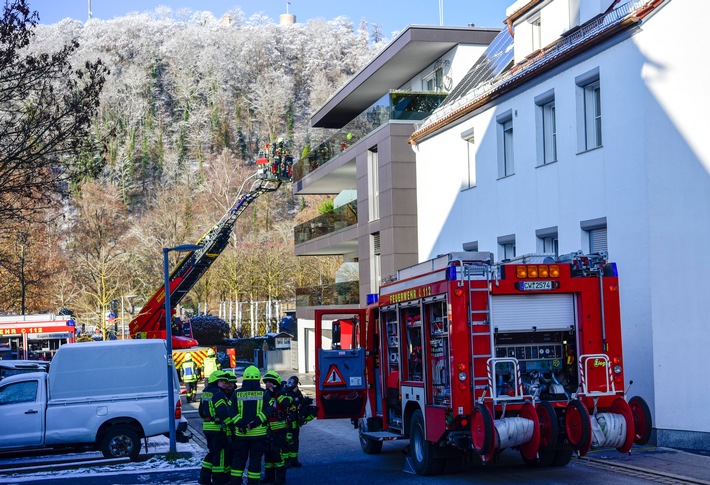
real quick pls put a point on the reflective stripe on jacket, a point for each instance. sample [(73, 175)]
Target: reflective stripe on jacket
[(280, 403), (189, 371), (213, 408), (251, 405)]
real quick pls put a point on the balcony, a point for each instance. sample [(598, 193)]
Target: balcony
[(395, 105), (346, 293), (340, 218)]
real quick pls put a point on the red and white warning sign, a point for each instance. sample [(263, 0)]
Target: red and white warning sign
[(333, 377)]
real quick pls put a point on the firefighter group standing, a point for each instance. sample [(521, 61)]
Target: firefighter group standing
[(252, 422)]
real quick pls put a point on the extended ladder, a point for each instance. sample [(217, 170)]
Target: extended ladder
[(150, 322)]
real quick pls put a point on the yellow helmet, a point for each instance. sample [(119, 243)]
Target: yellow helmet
[(252, 373), (273, 377), (217, 375), (188, 356), (210, 352)]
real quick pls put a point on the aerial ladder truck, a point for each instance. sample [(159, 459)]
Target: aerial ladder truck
[(150, 321)]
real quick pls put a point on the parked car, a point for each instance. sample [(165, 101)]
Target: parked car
[(13, 367), (98, 395)]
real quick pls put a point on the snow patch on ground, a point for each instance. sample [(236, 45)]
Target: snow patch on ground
[(192, 455)]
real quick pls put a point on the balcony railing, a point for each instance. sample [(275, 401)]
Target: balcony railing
[(340, 218), (347, 293), (395, 105)]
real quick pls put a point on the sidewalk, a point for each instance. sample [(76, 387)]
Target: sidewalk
[(675, 463)]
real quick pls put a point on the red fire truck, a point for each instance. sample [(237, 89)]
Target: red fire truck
[(464, 357)]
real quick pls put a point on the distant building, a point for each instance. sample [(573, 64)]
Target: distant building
[(34, 336)]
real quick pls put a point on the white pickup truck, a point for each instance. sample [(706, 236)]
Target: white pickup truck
[(98, 395)]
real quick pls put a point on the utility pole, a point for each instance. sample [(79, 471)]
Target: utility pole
[(89, 9)]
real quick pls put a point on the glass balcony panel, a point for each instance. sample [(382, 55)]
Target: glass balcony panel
[(345, 293), (340, 218), (395, 105)]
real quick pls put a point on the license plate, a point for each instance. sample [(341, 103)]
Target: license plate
[(536, 285)]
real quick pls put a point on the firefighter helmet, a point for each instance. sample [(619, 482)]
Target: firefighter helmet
[(217, 375), (272, 376), (188, 356), (252, 373), (210, 353), (230, 376)]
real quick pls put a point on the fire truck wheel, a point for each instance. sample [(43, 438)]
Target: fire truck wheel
[(562, 456), (549, 431), (530, 448), (482, 429), (422, 453), (120, 442), (368, 445), (642, 420), (578, 426)]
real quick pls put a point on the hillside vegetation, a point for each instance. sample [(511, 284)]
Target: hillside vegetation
[(187, 103)]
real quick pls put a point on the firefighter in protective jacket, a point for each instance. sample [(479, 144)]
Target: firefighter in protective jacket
[(189, 374), (274, 465), (250, 409), (209, 365), (294, 423), (214, 412)]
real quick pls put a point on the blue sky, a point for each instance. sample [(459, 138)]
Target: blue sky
[(392, 15)]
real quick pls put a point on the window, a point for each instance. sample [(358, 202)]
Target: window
[(469, 171), (505, 145), (549, 133), (536, 33), (434, 81), (413, 325), (594, 235), (470, 246), (547, 241), (506, 247), (546, 128), (375, 268), (373, 182), (589, 111), (19, 392)]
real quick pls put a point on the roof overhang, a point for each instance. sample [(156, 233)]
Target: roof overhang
[(402, 59)]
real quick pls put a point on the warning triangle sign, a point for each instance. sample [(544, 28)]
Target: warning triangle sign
[(333, 377)]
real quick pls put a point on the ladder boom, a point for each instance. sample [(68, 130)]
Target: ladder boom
[(150, 322)]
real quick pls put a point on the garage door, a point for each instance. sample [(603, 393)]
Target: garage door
[(518, 313)]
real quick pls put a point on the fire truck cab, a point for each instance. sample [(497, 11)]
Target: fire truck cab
[(465, 357)]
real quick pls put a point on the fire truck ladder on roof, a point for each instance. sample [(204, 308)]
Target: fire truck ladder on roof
[(150, 322), (479, 317), (485, 364)]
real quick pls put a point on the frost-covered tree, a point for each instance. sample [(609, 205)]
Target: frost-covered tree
[(46, 110)]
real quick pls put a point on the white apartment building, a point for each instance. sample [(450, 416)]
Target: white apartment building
[(587, 129)]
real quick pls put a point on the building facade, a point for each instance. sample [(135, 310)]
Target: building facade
[(34, 337), (590, 137), (369, 167)]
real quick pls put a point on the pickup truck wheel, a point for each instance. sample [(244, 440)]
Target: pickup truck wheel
[(121, 441)]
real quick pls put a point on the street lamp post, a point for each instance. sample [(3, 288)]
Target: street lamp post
[(183, 248)]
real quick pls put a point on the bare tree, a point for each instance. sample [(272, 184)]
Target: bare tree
[(99, 253), (46, 108)]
